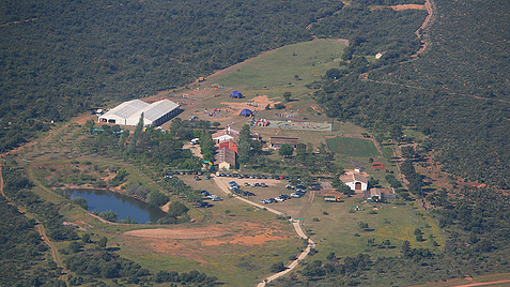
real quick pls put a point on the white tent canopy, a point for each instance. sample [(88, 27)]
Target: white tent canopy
[(128, 113)]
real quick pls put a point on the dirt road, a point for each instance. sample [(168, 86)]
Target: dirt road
[(485, 283), (223, 185), (40, 227)]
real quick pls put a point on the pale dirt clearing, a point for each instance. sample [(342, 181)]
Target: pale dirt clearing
[(181, 233), (408, 7)]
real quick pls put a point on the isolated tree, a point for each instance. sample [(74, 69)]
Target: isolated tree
[(216, 125), (85, 238), (102, 242), (287, 96), (244, 145), (136, 135), (82, 202), (207, 148), (285, 150), (177, 208)]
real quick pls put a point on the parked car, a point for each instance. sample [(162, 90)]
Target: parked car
[(263, 184), (206, 177), (205, 192), (211, 196), (247, 193), (272, 200), (263, 177), (295, 195), (197, 177), (217, 198), (232, 183), (203, 204)]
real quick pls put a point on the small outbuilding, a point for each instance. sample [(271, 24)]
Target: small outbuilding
[(236, 95), (276, 142), (225, 158), (355, 181)]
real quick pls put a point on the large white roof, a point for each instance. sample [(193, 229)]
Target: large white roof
[(126, 109), (156, 110), (129, 112)]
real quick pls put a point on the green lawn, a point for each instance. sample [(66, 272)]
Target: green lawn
[(352, 146), (335, 232), (271, 73)]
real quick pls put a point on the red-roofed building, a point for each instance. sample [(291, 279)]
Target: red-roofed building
[(231, 145)]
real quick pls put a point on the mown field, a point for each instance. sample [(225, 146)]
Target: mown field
[(336, 229), (352, 146), (274, 72)]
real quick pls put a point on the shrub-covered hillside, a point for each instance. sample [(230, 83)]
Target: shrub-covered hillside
[(58, 58)]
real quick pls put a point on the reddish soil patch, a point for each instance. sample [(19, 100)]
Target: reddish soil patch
[(257, 103), (181, 233), (245, 240), (408, 7), (378, 165)]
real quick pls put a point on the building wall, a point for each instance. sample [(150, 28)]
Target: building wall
[(224, 165), (352, 185)]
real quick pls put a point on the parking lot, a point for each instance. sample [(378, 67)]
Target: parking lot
[(275, 188)]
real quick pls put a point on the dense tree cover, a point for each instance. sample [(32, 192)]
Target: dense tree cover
[(17, 188), (469, 52), (439, 91), (61, 58), (370, 32), (22, 252), (151, 147), (108, 265)]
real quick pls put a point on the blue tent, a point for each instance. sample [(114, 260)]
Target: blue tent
[(246, 113), (236, 95)]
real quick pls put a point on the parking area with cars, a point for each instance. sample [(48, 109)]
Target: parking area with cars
[(261, 189)]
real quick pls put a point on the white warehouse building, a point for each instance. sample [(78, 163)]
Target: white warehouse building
[(128, 113)]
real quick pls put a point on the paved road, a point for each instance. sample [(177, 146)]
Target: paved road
[(297, 227)]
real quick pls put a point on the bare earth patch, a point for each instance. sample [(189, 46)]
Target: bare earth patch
[(183, 233), (245, 240), (257, 103), (408, 7)]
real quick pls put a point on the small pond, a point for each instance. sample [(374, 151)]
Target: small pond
[(124, 205)]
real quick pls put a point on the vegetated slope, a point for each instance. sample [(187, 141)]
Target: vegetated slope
[(470, 51), (60, 58), (22, 252), (370, 32), (440, 91)]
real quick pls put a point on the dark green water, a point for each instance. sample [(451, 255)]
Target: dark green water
[(125, 206)]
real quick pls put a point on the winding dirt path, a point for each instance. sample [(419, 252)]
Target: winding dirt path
[(484, 283), (224, 187), (40, 227), (425, 41)]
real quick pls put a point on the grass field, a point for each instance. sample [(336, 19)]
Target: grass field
[(352, 146), (335, 232), (274, 72)]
